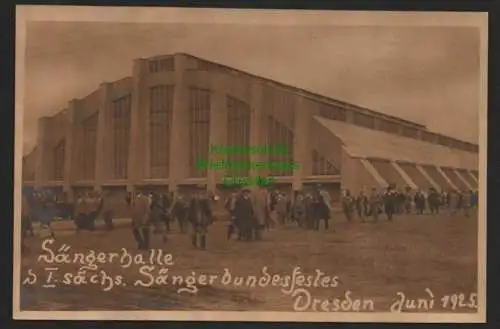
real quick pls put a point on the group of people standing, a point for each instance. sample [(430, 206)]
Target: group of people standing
[(253, 212), (250, 212), (393, 202), (157, 210)]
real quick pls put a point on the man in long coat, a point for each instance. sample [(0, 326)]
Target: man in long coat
[(300, 210), (200, 217), (322, 208), (375, 201), (245, 215), (229, 206), (179, 211), (140, 210)]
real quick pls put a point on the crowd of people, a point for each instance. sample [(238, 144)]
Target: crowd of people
[(251, 213)]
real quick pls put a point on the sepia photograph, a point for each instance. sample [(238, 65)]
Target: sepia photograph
[(250, 165)]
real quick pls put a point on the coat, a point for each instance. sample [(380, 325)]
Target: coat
[(244, 213), (261, 206), (199, 212), (140, 209)]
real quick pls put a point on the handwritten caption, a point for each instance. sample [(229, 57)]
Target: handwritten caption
[(154, 269)]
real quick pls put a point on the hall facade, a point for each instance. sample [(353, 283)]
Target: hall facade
[(149, 131)]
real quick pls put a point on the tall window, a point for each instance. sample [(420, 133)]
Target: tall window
[(332, 112), (238, 133), (59, 151), (321, 166), (279, 136), (199, 125), (121, 136), (89, 144), (364, 120), (160, 120)]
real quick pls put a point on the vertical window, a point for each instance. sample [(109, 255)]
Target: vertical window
[(59, 150), (160, 125), (321, 166), (121, 136), (279, 136), (238, 133), (199, 125), (89, 145)]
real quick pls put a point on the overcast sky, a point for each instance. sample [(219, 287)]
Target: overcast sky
[(425, 74)]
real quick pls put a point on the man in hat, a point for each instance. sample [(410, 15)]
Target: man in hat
[(140, 209), (245, 215), (408, 200), (229, 205), (347, 204), (391, 201), (375, 202), (179, 210), (300, 209), (200, 217), (434, 201), (321, 207), (420, 202)]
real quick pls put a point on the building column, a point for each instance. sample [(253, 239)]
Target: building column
[(70, 151), (179, 152), (41, 152), (257, 130), (218, 130), (301, 141), (136, 152), (104, 135)]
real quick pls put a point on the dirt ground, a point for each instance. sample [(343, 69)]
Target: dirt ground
[(372, 260)]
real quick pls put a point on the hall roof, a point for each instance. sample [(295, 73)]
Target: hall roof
[(368, 143)]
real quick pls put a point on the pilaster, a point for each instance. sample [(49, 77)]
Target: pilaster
[(70, 148), (301, 141), (41, 153), (257, 129), (218, 129), (104, 134), (180, 125), (136, 163)]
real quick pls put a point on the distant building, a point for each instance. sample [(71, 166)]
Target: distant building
[(150, 130)]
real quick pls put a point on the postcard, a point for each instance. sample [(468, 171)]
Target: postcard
[(250, 165)]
